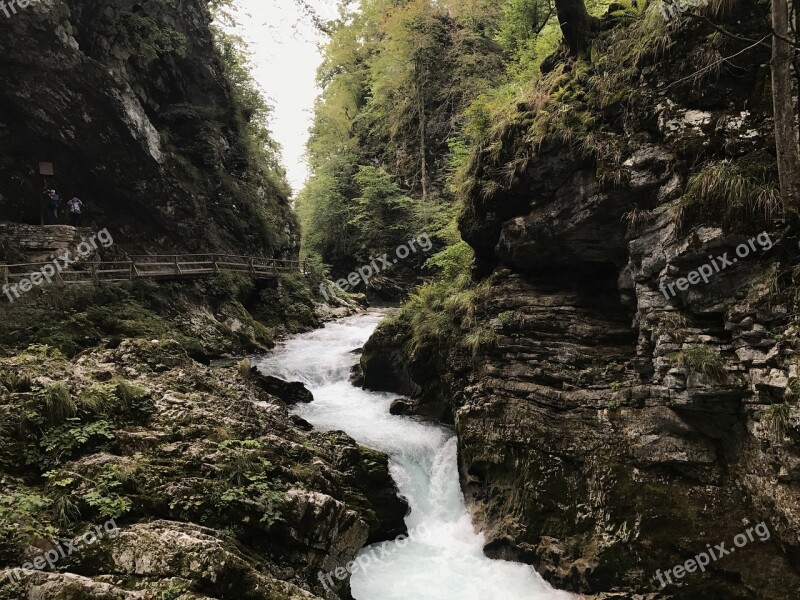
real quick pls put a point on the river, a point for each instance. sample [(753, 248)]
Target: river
[(444, 560)]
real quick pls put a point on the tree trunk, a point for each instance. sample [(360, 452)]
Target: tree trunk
[(423, 149), (577, 25), (786, 141)]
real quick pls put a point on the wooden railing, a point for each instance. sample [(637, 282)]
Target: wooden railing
[(155, 267)]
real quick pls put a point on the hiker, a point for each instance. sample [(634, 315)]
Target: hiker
[(53, 203), (75, 206)]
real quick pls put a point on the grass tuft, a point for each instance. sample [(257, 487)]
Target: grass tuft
[(702, 359), (776, 421), (733, 193), (58, 404)]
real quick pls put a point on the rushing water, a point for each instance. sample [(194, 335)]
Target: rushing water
[(444, 560)]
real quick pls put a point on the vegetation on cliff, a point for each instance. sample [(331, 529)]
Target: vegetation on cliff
[(593, 173)]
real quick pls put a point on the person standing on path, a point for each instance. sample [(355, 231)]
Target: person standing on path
[(53, 203), (75, 205)]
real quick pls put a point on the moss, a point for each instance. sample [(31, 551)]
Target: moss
[(194, 313)]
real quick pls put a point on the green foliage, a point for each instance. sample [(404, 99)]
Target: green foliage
[(672, 324), (260, 489), (702, 359), (510, 319), (40, 352), (117, 399), (22, 515), (522, 22), (384, 217), (290, 305), (134, 400), (105, 497), (442, 313), (627, 10), (173, 592), (99, 399), (256, 144), (477, 339), (224, 287), (737, 194), (396, 79), (56, 428), (67, 511), (64, 442), (145, 38), (245, 469)]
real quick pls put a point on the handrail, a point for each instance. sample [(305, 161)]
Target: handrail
[(168, 266)]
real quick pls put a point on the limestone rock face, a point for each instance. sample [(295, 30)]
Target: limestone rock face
[(219, 492), (130, 102), (612, 428)]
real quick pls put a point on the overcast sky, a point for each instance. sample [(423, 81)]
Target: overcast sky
[(285, 57)]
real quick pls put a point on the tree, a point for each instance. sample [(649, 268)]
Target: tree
[(577, 24), (786, 140)]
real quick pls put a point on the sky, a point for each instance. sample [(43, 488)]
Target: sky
[(285, 56)]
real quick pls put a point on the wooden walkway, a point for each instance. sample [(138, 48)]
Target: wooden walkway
[(155, 267)]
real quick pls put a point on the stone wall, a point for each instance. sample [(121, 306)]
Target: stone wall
[(40, 243)]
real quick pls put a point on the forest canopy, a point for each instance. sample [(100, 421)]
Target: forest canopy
[(408, 88)]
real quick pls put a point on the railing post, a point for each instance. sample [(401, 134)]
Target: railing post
[(177, 267), (95, 280), (6, 274), (252, 266)]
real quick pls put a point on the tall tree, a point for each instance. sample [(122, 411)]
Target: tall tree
[(786, 139), (577, 24)]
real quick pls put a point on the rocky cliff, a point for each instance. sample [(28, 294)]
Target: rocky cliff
[(618, 412), (216, 491), (133, 103), (109, 408)]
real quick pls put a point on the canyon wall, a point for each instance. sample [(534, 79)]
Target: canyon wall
[(609, 428)]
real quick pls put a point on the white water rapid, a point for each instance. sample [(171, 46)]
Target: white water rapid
[(444, 560)]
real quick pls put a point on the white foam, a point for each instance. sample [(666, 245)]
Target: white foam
[(448, 562)]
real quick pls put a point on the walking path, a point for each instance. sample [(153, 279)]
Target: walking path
[(172, 266)]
